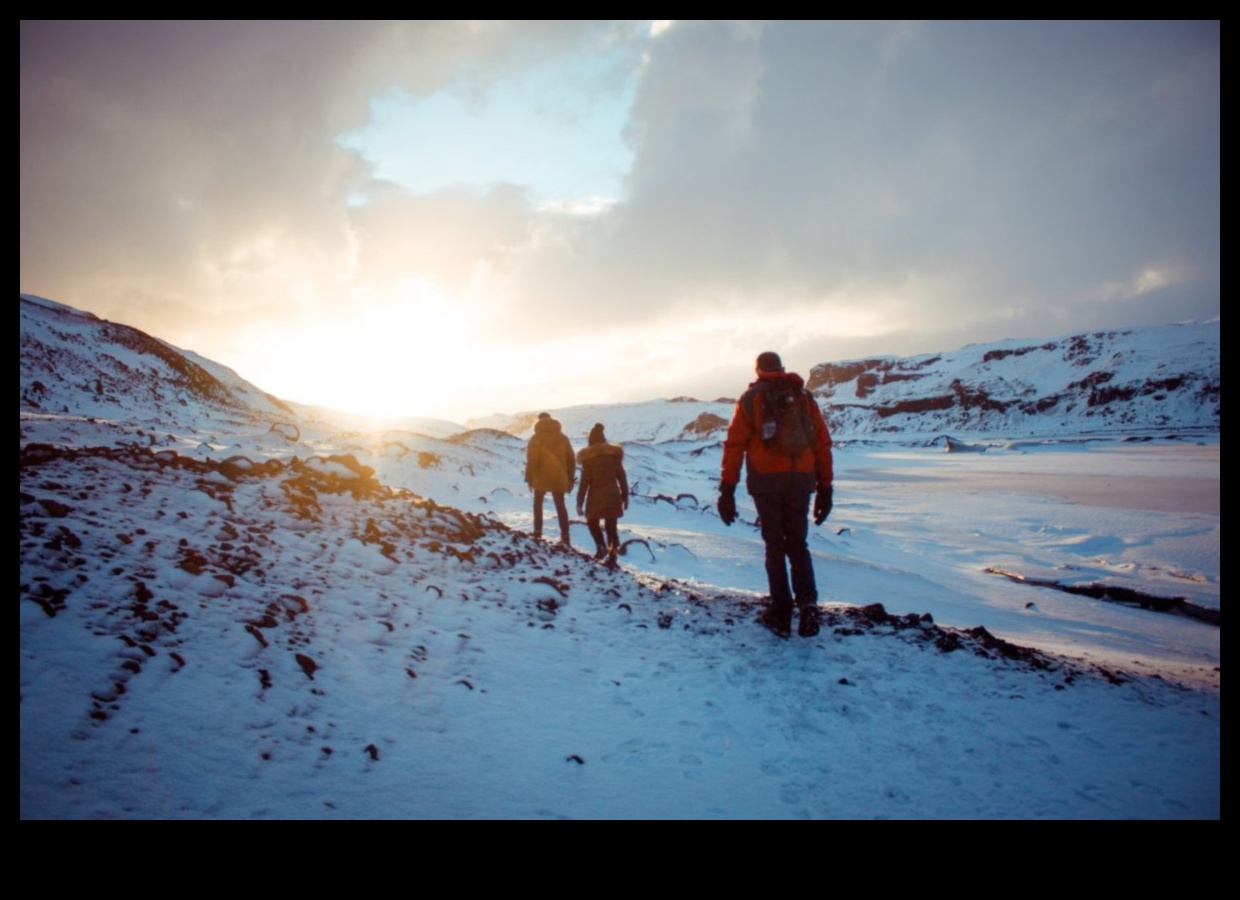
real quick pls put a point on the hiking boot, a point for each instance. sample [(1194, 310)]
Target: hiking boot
[(780, 625), (601, 553), (807, 625)]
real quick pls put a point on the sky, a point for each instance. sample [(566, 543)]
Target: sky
[(221, 619), (384, 216)]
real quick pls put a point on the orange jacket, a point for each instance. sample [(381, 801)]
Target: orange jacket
[(767, 470)]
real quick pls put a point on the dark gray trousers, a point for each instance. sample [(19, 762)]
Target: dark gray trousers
[(784, 519)]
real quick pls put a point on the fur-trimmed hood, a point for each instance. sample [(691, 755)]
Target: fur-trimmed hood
[(598, 451), (548, 425)]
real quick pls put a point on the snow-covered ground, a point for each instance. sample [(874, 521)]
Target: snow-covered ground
[(204, 634)]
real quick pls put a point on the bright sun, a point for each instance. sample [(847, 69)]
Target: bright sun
[(382, 357)]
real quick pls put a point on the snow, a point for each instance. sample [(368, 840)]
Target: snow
[(486, 692), (359, 626)]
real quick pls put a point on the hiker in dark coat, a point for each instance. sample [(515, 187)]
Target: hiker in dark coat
[(604, 493), (550, 468)]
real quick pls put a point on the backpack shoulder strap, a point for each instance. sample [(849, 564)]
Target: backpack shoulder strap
[(746, 402)]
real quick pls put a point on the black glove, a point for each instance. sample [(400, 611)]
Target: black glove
[(822, 505), (727, 503)]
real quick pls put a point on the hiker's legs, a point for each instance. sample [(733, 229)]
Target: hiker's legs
[(773, 515), (796, 546), (538, 504), (613, 539), (596, 532), (561, 511)]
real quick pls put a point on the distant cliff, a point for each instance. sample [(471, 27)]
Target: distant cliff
[(1151, 378)]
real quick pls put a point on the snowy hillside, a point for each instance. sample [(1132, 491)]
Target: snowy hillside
[(73, 362), (683, 418), (1148, 379), (229, 609)]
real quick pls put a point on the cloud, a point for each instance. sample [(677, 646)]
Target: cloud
[(834, 186), (809, 164)]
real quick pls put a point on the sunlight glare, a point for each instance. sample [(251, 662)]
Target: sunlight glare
[(380, 356)]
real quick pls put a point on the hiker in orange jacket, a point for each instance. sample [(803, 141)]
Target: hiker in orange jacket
[(779, 433)]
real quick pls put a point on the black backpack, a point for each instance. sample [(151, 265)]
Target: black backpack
[(786, 424)]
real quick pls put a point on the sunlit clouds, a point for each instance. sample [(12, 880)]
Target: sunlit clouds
[(1147, 281), (550, 213)]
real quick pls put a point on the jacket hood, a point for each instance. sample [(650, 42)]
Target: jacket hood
[(771, 377), (548, 426), (594, 451)]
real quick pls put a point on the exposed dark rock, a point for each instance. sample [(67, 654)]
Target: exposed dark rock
[(1119, 594), (308, 665), (703, 425)]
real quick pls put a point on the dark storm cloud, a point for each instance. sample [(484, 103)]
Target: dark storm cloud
[(1015, 168)]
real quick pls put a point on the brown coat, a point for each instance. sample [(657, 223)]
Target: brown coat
[(604, 486), (549, 461)]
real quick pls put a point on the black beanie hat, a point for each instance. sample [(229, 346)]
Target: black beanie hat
[(769, 362), (596, 433)]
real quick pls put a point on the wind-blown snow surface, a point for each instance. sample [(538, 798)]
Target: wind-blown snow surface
[(224, 619)]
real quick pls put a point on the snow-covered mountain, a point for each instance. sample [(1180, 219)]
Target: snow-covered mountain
[(1152, 380), (1164, 378)]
